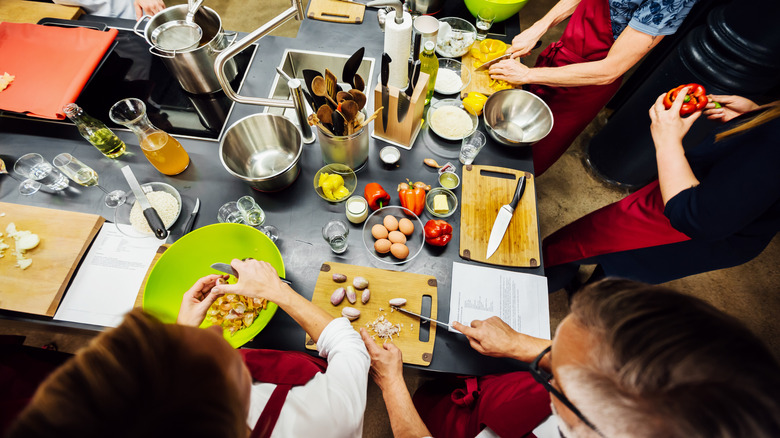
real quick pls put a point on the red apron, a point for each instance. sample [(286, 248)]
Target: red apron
[(588, 37), (285, 369), (636, 221), (512, 405)]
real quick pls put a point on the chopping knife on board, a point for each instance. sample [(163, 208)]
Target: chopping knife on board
[(385, 90), (422, 317), (151, 215), (405, 97), (503, 218)]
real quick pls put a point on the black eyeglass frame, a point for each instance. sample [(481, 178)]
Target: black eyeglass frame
[(543, 377)]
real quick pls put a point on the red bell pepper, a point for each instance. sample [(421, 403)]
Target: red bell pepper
[(412, 196), (376, 196), (695, 100), (437, 232)]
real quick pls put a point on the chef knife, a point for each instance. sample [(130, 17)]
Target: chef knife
[(404, 98), (424, 318), (487, 65), (351, 67), (227, 269), (151, 215), (503, 218), (191, 220), (385, 90)]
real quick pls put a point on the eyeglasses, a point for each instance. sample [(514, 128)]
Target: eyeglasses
[(543, 377)]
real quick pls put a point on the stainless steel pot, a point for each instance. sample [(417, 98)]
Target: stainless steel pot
[(264, 150), (424, 7), (193, 67)]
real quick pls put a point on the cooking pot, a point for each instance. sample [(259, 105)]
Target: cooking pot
[(192, 66), (424, 7)]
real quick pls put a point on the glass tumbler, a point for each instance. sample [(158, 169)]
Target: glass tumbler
[(229, 213), (251, 212), (485, 19), (33, 167), (335, 233), (471, 146)]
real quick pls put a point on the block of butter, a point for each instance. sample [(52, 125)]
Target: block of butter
[(440, 205)]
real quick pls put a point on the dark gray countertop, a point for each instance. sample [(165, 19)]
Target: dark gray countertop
[(297, 211)]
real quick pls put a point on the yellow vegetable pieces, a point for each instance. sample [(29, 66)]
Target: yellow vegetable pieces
[(332, 186), (474, 103)]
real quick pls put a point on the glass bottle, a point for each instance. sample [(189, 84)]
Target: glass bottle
[(95, 131), (429, 63), (162, 150)]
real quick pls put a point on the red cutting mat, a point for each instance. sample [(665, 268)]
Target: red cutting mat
[(51, 65)]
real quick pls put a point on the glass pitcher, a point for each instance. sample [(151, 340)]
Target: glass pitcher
[(162, 150)]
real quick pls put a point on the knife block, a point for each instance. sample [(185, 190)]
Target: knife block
[(401, 133)]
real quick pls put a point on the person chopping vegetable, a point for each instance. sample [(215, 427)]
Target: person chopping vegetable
[(577, 75)]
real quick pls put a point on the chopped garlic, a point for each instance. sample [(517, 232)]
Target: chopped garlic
[(25, 241)]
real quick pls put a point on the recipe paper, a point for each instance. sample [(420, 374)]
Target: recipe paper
[(477, 293), (107, 282)]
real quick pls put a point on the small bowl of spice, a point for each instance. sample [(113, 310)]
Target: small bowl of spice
[(450, 121), (129, 217), (452, 78)]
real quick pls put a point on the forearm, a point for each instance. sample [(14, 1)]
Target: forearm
[(404, 419), (526, 348), (561, 11), (674, 172), (310, 317)]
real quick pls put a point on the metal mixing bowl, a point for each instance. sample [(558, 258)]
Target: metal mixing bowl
[(264, 150), (517, 118)]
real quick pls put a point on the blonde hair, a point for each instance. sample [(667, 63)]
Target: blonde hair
[(137, 380), (770, 112)]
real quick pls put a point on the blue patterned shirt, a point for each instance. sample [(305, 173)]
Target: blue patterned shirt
[(652, 17)]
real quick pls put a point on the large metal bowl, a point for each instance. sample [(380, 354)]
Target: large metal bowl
[(517, 118), (264, 150)]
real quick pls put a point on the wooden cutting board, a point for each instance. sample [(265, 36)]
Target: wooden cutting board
[(24, 11), (480, 80), (384, 285), (336, 11), (64, 236), (482, 195)]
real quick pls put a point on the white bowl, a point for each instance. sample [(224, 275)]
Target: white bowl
[(450, 102), (457, 67)]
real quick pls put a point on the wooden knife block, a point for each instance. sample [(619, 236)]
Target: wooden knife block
[(402, 133)]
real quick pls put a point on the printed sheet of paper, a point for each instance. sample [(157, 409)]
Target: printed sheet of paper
[(107, 283), (519, 299)]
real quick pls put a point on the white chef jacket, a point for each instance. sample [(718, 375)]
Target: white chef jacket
[(104, 8), (331, 404)]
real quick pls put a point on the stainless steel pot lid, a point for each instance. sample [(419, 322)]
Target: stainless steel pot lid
[(177, 35)]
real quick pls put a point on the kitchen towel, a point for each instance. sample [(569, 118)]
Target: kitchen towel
[(51, 65), (398, 44)]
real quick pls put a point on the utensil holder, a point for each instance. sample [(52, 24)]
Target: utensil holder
[(403, 133)]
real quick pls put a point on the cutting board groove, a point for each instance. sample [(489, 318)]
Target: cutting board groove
[(336, 11), (384, 285), (482, 197)]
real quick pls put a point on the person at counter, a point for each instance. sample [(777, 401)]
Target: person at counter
[(129, 9), (146, 378), (631, 360), (714, 206), (577, 75)]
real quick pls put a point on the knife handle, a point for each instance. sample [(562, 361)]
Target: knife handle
[(386, 60), (156, 223), (518, 193), (417, 43)]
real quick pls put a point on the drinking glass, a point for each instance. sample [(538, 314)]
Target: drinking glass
[(84, 175), (230, 213), (251, 212), (485, 19), (37, 171), (335, 233), (471, 146), (271, 231)]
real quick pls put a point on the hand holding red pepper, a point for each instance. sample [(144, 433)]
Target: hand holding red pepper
[(437, 232), (695, 99), (376, 196), (412, 196)]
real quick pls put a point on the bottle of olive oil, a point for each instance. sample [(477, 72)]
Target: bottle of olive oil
[(429, 63), (95, 131)]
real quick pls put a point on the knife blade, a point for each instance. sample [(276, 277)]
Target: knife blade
[(151, 215), (385, 89), (191, 220), (405, 97), (503, 218), (424, 318), (227, 269)]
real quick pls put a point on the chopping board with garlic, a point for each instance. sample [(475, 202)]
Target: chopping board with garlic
[(40, 252), (375, 314)]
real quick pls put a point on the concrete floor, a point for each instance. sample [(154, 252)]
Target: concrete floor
[(565, 192)]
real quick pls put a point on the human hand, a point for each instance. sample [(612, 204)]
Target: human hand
[(197, 300), (511, 71), (148, 7), (730, 107), (494, 337), (524, 42), (667, 125), (256, 279), (386, 362)]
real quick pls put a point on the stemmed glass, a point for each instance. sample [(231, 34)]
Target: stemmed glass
[(84, 175)]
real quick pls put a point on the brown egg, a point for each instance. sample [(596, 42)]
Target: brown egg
[(382, 246), (397, 237), (406, 226), (399, 250), (391, 223), (379, 231)]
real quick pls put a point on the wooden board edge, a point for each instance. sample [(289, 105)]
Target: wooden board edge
[(139, 299)]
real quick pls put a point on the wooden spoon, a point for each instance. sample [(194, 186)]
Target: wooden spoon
[(349, 108), (325, 114), (341, 96), (358, 97), (359, 83), (373, 116), (320, 89)]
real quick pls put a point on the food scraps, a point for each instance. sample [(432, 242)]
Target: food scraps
[(235, 312), (5, 80), (384, 329), (24, 241)]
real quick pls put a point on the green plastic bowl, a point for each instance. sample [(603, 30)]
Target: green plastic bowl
[(503, 8), (190, 258)]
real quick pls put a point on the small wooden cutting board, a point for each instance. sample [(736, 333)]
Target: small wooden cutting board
[(384, 286), (336, 11)]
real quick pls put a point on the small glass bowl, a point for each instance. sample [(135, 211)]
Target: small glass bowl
[(452, 202), (350, 180), (450, 102), (457, 67), (413, 242), (122, 213), (455, 37)]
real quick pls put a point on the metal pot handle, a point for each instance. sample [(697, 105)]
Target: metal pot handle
[(230, 34), (155, 51), (138, 23)]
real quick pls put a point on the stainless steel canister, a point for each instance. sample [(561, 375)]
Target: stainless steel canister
[(193, 67), (351, 150)]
